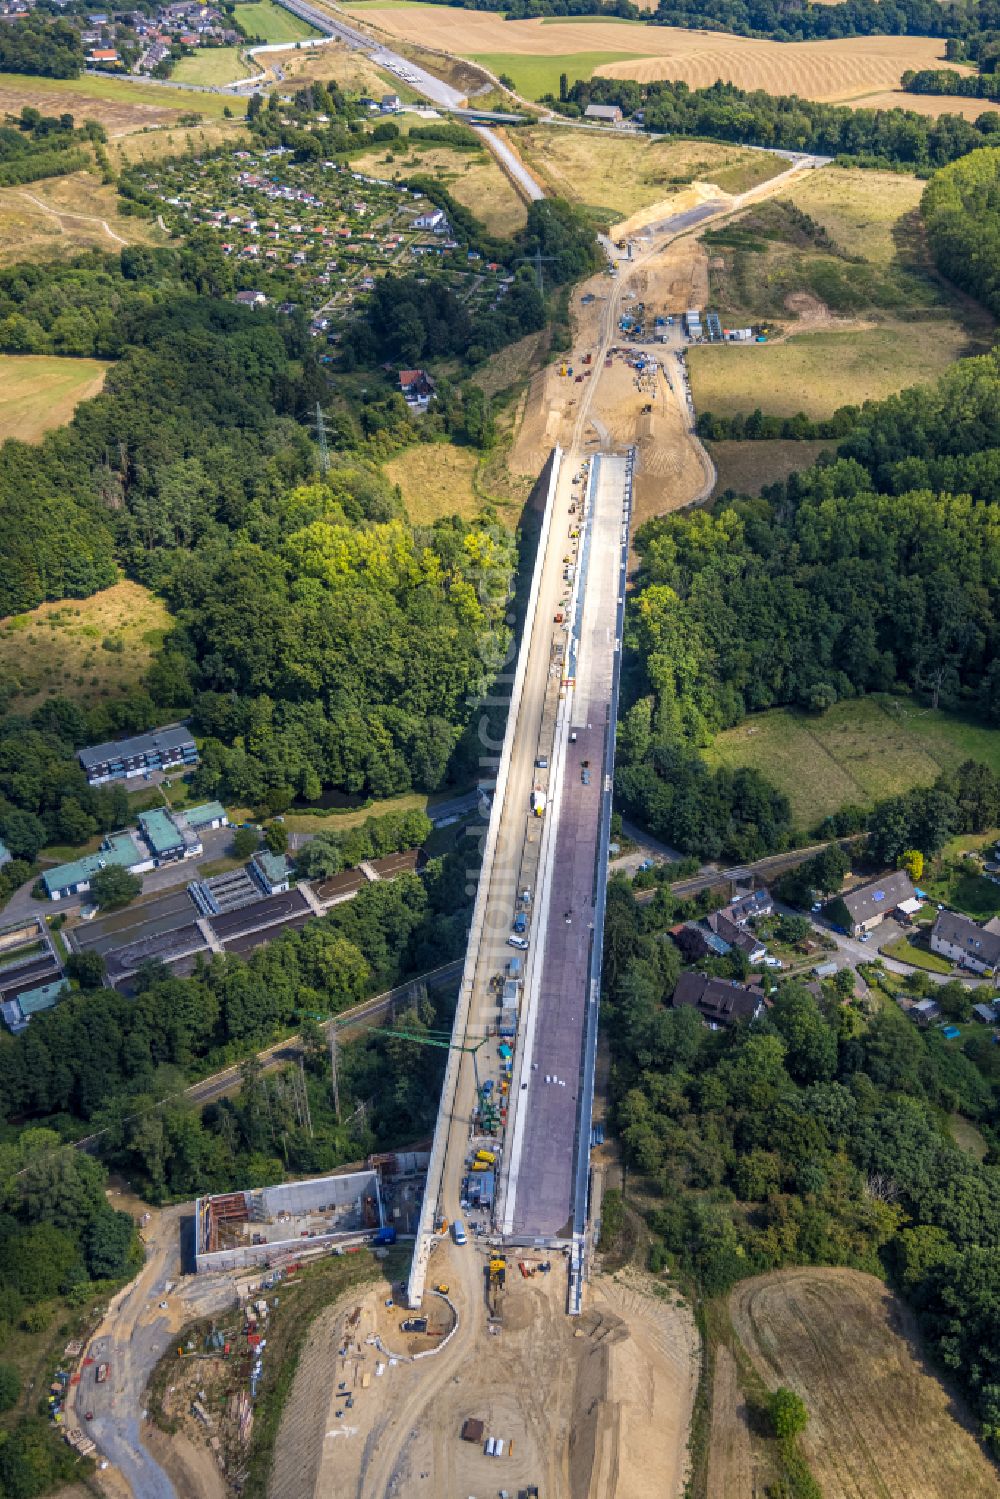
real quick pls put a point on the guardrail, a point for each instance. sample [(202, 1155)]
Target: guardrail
[(439, 1148)]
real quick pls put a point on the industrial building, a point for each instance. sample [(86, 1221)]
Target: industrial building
[(162, 837), (236, 1229)]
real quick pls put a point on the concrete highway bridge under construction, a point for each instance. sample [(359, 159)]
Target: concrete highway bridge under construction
[(520, 1078)]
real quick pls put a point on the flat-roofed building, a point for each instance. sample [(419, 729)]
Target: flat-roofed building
[(120, 759), (74, 878)]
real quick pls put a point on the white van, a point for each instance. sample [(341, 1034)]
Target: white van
[(458, 1232)]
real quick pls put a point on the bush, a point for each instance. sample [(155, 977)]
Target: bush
[(787, 1414)]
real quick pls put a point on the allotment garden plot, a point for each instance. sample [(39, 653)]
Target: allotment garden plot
[(315, 235)]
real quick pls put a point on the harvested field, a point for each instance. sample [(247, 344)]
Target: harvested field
[(747, 467), (473, 177), (436, 480), (56, 648), (117, 104), (616, 175), (39, 391), (849, 70), (60, 217), (859, 751), (880, 1423), (817, 372), (923, 104)]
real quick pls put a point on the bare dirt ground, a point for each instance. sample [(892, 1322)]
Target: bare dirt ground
[(590, 1408), (880, 1422), (731, 1457), (190, 1467)]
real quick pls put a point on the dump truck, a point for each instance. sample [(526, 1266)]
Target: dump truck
[(489, 1156), (538, 802)]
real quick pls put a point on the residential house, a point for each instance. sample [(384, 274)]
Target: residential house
[(252, 299), (434, 220), (609, 113), (963, 941), (121, 759), (720, 1002), (737, 936), (986, 1013), (925, 1010), (104, 57), (749, 907), (272, 872), (417, 387), (696, 941), (391, 104), (5, 854), (867, 906)]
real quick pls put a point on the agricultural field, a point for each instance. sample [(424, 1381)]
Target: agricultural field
[(860, 751), (879, 1422), (272, 23), (312, 234), (118, 104), (855, 70), (213, 66), (59, 649), (472, 177), (436, 479), (62, 216), (818, 372), (39, 391), (616, 176)]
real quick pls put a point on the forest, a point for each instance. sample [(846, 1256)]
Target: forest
[(795, 598), (884, 137), (961, 208), (40, 45), (818, 1135)]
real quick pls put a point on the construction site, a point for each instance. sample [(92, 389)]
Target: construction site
[(237, 1229)]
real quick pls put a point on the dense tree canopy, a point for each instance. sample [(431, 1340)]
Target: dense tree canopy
[(961, 208)]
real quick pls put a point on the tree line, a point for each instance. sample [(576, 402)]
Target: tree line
[(869, 137), (41, 45), (961, 208), (818, 1135)]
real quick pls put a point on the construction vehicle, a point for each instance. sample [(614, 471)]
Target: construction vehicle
[(442, 1289), (497, 1282), (103, 1370), (489, 1156), (538, 802)]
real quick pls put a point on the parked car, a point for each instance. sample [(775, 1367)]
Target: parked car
[(519, 942)]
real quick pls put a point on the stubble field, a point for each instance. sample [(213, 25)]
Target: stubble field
[(880, 1423), (116, 103), (856, 70)]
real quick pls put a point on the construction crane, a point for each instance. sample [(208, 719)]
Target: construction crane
[(441, 1039)]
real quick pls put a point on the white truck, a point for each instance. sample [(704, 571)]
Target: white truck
[(538, 802)]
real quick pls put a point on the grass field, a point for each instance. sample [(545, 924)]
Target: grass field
[(747, 467), (436, 480), (473, 177), (61, 216), (817, 372), (176, 140), (535, 52), (212, 65), (967, 1137), (535, 76), (272, 22), (56, 649), (972, 894), (620, 174), (39, 391), (860, 751), (880, 1423), (116, 103)]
